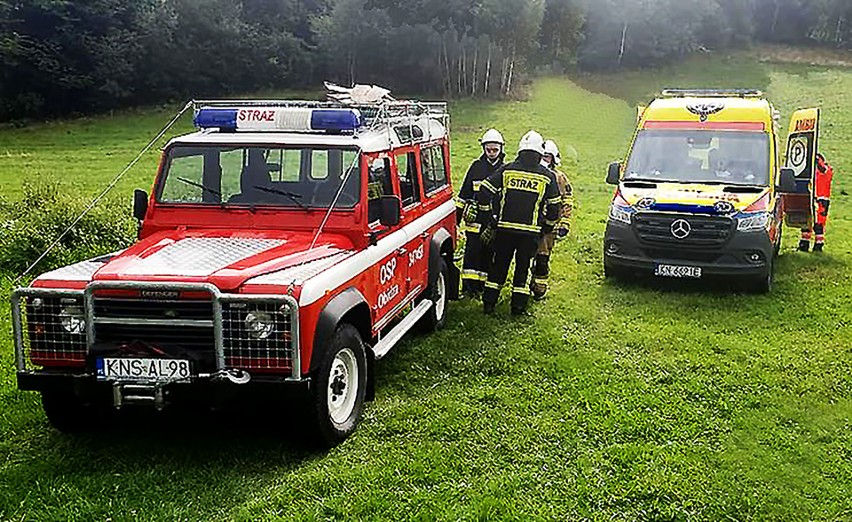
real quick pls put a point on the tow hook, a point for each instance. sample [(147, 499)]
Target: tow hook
[(233, 375)]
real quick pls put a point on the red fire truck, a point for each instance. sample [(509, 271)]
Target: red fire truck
[(286, 245)]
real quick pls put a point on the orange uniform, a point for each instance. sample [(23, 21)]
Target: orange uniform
[(822, 195)]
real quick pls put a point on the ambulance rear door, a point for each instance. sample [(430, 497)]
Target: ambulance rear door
[(800, 155)]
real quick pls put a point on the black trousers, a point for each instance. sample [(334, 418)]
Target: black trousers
[(510, 244), (477, 262)]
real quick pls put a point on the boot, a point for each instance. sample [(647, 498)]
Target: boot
[(804, 244), (818, 247)]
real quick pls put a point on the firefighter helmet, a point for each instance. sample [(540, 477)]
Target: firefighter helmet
[(551, 148), (492, 136), (532, 141)]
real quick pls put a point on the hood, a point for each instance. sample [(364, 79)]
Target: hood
[(689, 196), (224, 258)]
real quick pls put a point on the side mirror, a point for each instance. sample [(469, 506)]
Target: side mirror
[(391, 209), (140, 204), (613, 173), (787, 181)]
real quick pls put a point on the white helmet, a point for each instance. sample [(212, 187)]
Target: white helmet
[(551, 148), (492, 136), (532, 141)]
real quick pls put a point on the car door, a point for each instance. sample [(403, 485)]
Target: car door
[(800, 155), (411, 194), (389, 272)]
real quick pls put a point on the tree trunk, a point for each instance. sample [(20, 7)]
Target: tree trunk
[(511, 70), (775, 18), (473, 70), (623, 39), (447, 64), (464, 67), (487, 70)]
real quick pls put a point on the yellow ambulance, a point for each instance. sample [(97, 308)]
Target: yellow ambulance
[(699, 194)]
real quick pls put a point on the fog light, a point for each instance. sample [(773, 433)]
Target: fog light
[(755, 257), (612, 247), (72, 319), (260, 325)]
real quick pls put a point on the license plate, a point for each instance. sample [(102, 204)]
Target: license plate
[(143, 369), (693, 272)]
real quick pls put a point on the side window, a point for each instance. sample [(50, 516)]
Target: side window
[(434, 173), (407, 169), (378, 185)]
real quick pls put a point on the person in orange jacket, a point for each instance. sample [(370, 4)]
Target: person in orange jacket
[(822, 194)]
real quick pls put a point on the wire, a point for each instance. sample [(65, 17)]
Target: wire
[(103, 193)]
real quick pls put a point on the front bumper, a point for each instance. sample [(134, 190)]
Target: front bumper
[(212, 392), (743, 254)]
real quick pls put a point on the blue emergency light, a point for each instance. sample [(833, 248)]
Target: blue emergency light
[(288, 119), (225, 119), (337, 120)]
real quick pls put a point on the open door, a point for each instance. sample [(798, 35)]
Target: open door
[(800, 155)]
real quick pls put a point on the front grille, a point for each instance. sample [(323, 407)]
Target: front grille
[(160, 309), (246, 349), (56, 338), (705, 231)]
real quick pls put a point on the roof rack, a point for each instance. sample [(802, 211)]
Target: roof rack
[(386, 113), (712, 93)]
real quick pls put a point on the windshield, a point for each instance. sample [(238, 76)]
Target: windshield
[(307, 177), (700, 156)]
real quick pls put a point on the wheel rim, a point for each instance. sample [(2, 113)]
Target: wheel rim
[(440, 301), (342, 386)]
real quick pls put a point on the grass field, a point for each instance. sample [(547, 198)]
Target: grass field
[(613, 402)]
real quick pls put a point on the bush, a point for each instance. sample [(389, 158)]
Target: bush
[(28, 227)]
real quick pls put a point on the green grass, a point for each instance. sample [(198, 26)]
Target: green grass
[(613, 402)]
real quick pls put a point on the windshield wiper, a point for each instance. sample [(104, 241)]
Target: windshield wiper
[(199, 185), (293, 197)]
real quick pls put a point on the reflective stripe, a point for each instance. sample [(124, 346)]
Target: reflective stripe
[(460, 203), (488, 186), (521, 290), (519, 226), (540, 281), (554, 201), (493, 286), (474, 275)]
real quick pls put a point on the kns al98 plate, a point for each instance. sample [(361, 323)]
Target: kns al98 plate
[(143, 369)]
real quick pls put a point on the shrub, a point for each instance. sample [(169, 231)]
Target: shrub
[(28, 227)]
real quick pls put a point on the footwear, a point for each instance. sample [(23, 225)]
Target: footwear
[(519, 312), (488, 308), (804, 244), (539, 296), (817, 247)]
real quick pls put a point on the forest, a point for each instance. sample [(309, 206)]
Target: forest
[(60, 57)]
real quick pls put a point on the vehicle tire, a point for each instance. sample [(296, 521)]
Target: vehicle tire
[(436, 317), (341, 386), (67, 412)]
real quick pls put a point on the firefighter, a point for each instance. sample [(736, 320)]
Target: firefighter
[(477, 253), (541, 264), (529, 207), (822, 195)]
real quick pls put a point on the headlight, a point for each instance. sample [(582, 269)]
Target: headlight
[(72, 319), (619, 213), (756, 221), (260, 325)]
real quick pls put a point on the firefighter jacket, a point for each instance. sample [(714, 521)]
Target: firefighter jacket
[(466, 201), (567, 195), (529, 201)]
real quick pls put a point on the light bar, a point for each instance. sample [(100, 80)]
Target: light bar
[(288, 119)]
